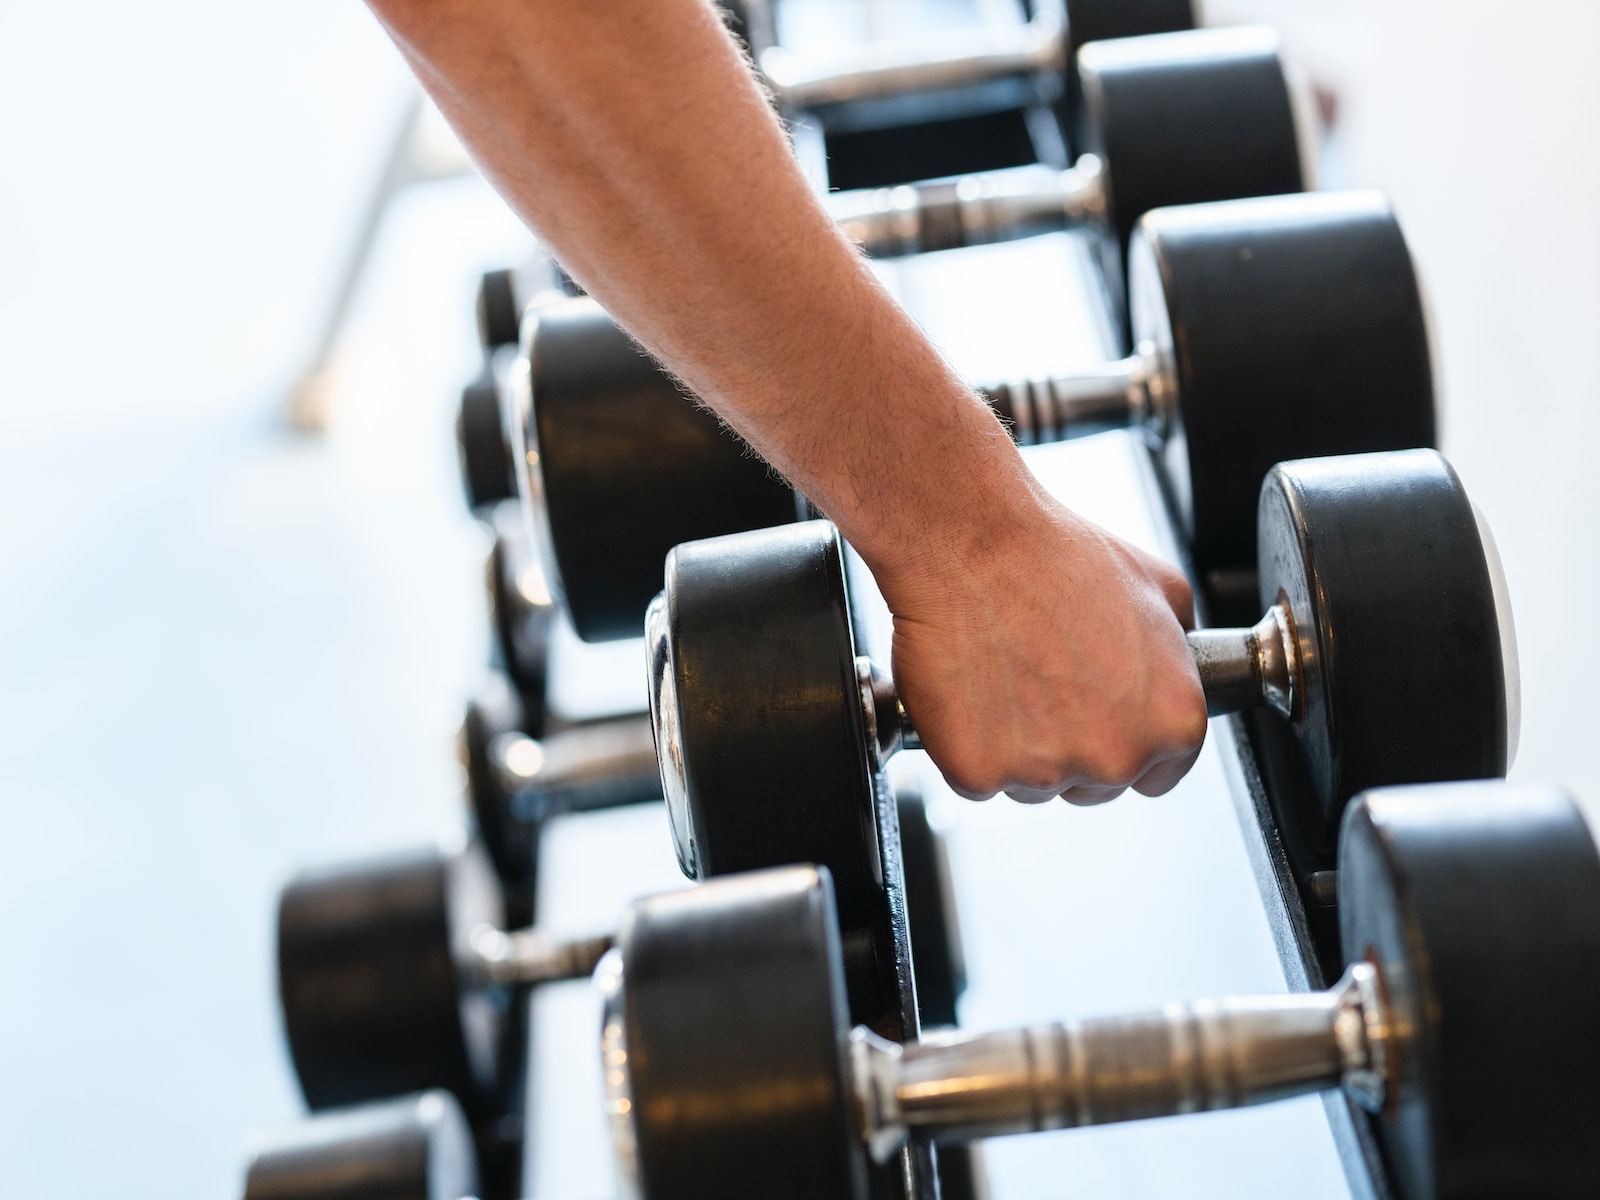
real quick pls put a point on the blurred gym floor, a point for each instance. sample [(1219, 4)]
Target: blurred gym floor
[(229, 650)]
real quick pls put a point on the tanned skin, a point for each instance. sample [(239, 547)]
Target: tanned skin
[(1037, 654)]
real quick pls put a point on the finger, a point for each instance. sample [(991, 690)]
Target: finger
[(1089, 795), (1180, 597), (1027, 795), (1164, 776)]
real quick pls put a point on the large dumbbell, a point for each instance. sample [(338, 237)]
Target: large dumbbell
[(1465, 1025), (1381, 647), (1268, 329), (400, 975), (1177, 118), (413, 1148)]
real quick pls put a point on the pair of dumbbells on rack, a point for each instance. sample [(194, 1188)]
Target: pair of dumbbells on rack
[(1463, 1025)]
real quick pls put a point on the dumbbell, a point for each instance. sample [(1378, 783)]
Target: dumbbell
[(1381, 647), (1266, 329), (1470, 922), (1176, 118), (416, 1147), (516, 783), (400, 975)]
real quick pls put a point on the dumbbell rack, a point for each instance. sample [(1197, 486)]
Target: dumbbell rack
[(1056, 282), (1034, 307)]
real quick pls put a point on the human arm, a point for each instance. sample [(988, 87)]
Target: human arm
[(1037, 654)]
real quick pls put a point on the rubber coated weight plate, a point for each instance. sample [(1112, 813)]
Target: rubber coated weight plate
[(486, 467), (767, 763), (723, 1109), (1381, 562), (520, 607), (937, 957), (499, 312), (414, 1148), (1102, 20), (1185, 118), (1480, 905), (1292, 327), (630, 467), (372, 1000), (512, 843)]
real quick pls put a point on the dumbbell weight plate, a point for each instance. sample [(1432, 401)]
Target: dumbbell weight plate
[(626, 473), (769, 763), (1393, 603), (1289, 327), (498, 309), (512, 843), (1165, 116), (372, 998), (1480, 905), (413, 1148), (486, 465), (765, 1110)]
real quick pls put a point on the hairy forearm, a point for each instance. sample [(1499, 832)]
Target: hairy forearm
[(632, 138)]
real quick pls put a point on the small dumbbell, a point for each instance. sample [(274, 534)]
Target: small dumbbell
[(400, 975), (413, 1148), (1381, 647), (515, 783), (1177, 118), (1470, 920), (1268, 329)]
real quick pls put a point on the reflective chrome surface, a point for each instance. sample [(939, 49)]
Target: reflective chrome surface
[(517, 422), (971, 210), (889, 728), (611, 983), (923, 64), (526, 956), (1050, 409), (586, 766), (1189, 1057), (667, 729), (1243, 668)]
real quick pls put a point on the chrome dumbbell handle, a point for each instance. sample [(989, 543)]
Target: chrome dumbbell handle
[(921, 217), (1239, 668), (524, 957), (587, 766), (1190, 1057), (961, 58)]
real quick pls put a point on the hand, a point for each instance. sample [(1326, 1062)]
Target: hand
[(1049, 661)]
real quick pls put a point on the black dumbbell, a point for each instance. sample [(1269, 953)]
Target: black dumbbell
[(400, 975), (1470, 920), (517, 783), (488, 474), (521, 607), (416, 1147), (1178, 118), (1269, 329), (1381, 646)]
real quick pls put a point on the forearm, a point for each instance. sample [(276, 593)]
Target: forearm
[(632, 138)]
